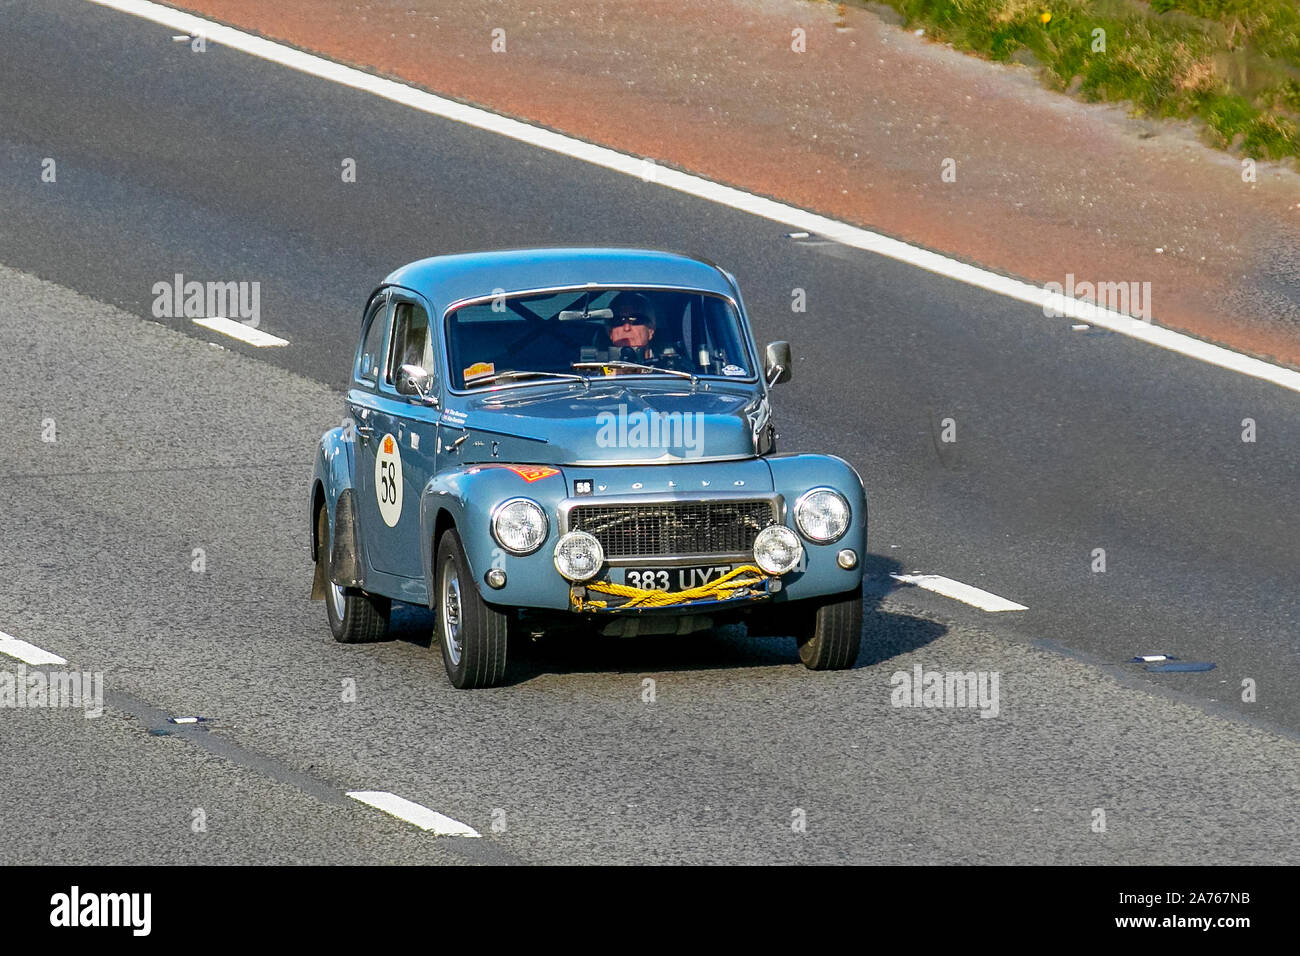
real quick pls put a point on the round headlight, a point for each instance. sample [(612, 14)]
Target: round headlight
[(822, 515), (777, 549), (519, 525), (578, 555)]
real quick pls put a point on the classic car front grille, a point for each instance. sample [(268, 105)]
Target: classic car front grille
[(672, 529)]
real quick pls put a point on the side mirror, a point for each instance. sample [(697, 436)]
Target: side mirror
[(779, 363), (413, 380)]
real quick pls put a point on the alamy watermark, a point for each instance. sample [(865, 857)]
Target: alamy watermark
[(178, 299), (133, 911), (922, 688), (682, 431), (53, 690), (1084, 299)]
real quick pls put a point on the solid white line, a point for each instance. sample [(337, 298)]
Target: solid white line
[(800, 219), (984, 600), (404, 809), (238, 330), (27, 653)]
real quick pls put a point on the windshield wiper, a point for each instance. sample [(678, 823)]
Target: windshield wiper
[(636, 365), (512, 374)]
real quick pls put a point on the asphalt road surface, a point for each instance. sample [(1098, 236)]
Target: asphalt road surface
[(220, 166)]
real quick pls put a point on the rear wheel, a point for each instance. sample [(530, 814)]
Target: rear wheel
[(472, 633), (355, 617)]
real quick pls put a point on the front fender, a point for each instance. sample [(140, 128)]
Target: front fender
[(795, 474), (466, 497)]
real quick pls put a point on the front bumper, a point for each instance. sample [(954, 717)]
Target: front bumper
[(742, 585)]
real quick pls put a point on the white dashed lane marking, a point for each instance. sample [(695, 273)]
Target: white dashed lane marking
[(799, 219), (27, 653), (404, 809), (238, 330), (984, 600)]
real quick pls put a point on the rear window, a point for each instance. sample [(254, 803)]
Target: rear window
[(372, 348)]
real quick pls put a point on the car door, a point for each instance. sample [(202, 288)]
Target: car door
[(399, 450)]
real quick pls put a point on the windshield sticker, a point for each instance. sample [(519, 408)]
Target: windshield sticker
[(479, 370), (732, 370)]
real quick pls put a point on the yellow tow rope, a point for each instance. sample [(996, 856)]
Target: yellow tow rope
[(745, 576)]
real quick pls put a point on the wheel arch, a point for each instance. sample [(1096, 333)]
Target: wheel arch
[(442, 522)]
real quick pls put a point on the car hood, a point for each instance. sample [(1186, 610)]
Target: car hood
[(617, 422)]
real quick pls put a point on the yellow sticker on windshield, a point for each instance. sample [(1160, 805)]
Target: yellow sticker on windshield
[(479, 370)]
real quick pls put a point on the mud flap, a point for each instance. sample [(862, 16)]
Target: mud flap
[(344, 563), (319, 579)]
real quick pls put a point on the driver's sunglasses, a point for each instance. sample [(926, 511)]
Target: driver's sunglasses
[(628, 320)]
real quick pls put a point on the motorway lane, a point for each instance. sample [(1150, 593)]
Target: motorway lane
[(97, 558), (91, 792), (217, 165)]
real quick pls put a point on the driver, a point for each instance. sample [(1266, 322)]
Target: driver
[(632, 327)]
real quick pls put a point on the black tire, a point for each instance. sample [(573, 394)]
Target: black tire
[(829, 631), (471, 633), (355, 617)]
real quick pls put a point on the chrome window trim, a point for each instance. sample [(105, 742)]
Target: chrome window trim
[(746, 334), (383, 297), (396, 296)]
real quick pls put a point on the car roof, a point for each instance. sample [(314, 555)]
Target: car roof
[(447, 279)]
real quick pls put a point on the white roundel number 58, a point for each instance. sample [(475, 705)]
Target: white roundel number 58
[(388, 480)]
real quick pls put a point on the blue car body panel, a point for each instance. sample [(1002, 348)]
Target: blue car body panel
[(461, 458)]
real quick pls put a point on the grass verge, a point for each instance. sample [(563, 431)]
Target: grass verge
[(1234, 64)]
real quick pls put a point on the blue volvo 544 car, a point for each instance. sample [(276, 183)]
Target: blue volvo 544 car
[(545, 438)]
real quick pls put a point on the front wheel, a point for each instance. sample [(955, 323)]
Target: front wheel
[(355, 617), (471, 632), (829, 632)]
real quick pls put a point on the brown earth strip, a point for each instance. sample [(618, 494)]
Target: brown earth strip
[(858, 127)]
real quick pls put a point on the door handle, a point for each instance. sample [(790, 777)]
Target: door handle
[(359, 425)]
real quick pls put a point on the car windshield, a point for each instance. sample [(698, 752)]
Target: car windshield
[(637, 331)]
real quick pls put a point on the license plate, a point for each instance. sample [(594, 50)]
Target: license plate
[(674, 579)]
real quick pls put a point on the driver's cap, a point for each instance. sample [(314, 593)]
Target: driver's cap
[(632, 303)]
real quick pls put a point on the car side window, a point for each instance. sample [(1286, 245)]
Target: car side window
[(372, 350), (412, 344)]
